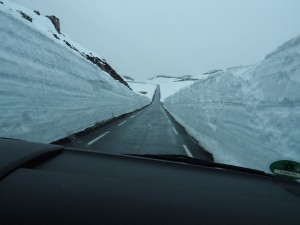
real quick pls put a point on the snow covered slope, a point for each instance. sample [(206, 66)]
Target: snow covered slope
[(169, 85), (247, 116), (47, 90), (144, 89)]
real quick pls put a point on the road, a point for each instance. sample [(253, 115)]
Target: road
[(148, 131)]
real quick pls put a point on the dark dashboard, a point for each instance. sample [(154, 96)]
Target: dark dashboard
[(51, 184)]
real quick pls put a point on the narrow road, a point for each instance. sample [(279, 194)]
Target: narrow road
[(148, 131)]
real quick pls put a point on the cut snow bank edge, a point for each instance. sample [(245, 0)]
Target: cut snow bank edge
[(246, 116), (48, 92)]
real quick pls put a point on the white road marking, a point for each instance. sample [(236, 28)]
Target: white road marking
[(187, 151), (132, 116), (120, 124), (175, 130), (96, 139)]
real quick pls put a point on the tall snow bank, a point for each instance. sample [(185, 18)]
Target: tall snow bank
[(246, 116), (47, 91)]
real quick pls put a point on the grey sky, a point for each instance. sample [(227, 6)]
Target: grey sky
[(144, 38)]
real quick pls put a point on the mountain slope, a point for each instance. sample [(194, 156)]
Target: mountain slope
[(48, 90), (170, 85)]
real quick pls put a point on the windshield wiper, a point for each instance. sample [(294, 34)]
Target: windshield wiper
[(201, 162), (14, 139)]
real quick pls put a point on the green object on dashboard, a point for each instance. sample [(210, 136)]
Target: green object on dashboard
[(286, 169)]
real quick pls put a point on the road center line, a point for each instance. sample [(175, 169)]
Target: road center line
[(187, 151), (132, 116), (96, 139), (120, 124), (175, 130)]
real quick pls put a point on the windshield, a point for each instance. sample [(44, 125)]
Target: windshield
[(212, 80)]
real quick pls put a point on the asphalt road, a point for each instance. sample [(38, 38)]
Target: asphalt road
[(148, 131)]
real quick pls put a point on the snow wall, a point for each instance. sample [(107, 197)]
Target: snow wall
[(246, 116), (47, 91)]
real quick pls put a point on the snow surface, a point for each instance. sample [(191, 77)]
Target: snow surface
[(43, 25), (48, 91), (169, 86), (144, 89), (246, 116)]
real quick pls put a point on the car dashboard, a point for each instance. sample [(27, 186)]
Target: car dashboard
[(51, 184)]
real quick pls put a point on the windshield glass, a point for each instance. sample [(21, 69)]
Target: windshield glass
[(212, 80)]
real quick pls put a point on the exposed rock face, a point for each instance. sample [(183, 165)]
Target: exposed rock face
[(186, 79), (71, 46), (128, 78), (56, 36), (55, 22), (25, 16), (212, 71), (103, 65)]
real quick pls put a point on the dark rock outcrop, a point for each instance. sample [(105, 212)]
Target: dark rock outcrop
[(103, 65), (186, 79), (55, 22), (71, 46), (37, 12), (128, 78), (56, 36), (25, 16), (1, 3), (176, 77), (212, 71)]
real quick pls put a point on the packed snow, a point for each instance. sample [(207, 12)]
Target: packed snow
[(246, 116), (144, 89), (48, 91)]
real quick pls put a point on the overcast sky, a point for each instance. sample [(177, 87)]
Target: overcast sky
[(144, 38)]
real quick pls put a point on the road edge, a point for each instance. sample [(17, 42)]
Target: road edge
[(205, 151)]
